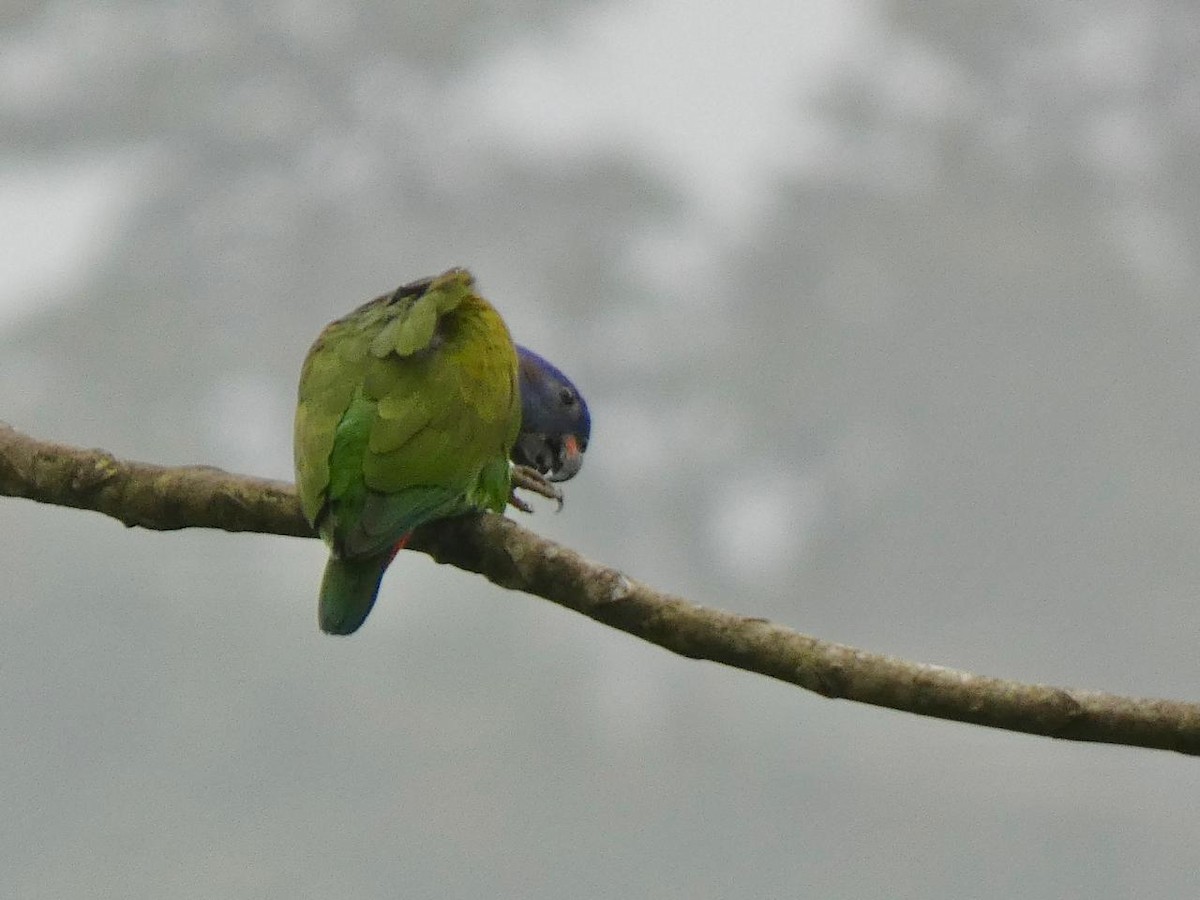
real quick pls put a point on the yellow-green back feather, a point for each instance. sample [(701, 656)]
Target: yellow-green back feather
[(408, 409)]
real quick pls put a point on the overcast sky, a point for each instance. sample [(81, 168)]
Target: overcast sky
[(886, 314)]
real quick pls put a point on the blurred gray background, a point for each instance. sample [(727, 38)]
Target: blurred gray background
[(888, 318)]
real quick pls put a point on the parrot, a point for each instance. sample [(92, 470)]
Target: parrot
[(408, 410), (359, 460)]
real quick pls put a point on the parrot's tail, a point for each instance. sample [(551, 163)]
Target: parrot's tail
[(348, 592)]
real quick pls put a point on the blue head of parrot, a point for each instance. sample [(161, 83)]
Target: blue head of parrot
[(555, 425)]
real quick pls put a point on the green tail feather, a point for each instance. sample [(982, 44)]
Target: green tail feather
[(348, 592)]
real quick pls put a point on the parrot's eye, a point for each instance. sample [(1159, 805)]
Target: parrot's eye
[(566, 397)]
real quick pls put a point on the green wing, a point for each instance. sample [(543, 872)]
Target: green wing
[(407, 411)]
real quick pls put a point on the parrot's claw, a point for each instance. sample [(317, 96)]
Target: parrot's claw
[(534, 481)]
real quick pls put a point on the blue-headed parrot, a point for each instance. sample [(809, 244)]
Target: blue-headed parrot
[(409, 409)]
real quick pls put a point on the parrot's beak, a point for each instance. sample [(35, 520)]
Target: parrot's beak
[(559, 459), (570, 460)]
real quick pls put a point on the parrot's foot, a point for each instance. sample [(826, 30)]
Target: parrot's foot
[(534, 481)]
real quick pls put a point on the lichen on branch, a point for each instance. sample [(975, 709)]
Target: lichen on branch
[(166, 498)]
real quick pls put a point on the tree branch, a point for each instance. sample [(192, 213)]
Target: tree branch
[(166, 498)]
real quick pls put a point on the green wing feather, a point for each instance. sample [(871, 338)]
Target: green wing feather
[(408, 408)]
